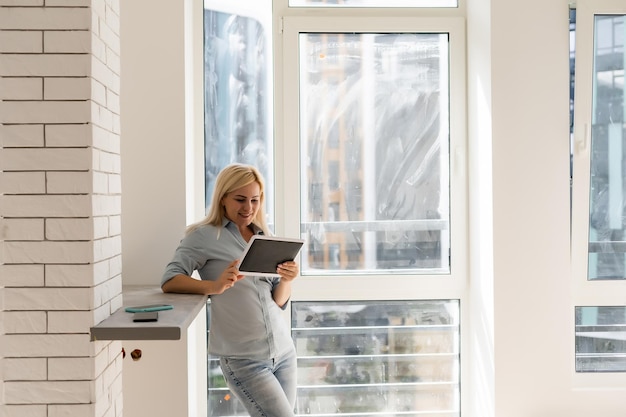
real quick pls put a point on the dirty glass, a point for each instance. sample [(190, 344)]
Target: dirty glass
[(374, 147), (238, 93), (607, 224), (377, 358), (601, 339), (373, 3)]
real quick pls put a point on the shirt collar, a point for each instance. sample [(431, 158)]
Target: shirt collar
[(256, 229)]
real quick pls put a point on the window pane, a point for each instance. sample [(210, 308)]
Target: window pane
[(238, 93), (607, 241), (373, 3), (377, 357), (600, 339), (374, 143)]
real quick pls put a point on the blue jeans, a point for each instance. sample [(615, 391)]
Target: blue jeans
[(267, 388)]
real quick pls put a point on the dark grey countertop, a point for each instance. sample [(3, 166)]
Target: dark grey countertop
[(170, 325)]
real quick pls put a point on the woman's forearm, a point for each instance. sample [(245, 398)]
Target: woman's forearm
[(185, 284)]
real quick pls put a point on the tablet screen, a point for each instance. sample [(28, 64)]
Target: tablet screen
[(264, 253)]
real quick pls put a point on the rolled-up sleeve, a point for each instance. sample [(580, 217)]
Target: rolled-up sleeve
[(190, 255)]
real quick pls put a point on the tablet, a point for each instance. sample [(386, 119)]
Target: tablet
[(264, 253)]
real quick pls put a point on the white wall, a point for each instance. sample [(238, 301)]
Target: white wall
[(518, 78), (153, 145)]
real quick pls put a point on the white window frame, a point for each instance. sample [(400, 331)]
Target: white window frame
[(585, 292), (288, 131), (287, 27)]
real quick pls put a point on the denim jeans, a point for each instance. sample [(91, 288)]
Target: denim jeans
[(267, 388)]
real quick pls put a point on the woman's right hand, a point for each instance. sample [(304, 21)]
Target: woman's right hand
[(228, 278)]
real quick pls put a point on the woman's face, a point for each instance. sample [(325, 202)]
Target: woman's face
[(242, 205)]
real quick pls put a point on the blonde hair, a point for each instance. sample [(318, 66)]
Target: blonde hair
[(231, 178)]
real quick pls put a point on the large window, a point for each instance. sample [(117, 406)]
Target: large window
[(362, 143), (374, 140)]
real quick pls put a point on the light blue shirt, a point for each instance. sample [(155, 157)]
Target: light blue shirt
[(245, 321)]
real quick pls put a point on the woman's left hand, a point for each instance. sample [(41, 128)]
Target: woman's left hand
[(288, 271)]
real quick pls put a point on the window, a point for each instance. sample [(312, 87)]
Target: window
[(388, 93), (365, 120), (598, 160), (238, 91), (377, 357)]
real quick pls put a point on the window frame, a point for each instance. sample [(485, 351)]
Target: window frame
[(454, 285), (592, 293), (287, 126)]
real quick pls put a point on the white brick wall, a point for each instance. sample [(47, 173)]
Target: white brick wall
[(60, 207)]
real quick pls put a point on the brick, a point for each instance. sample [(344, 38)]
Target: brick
[(100, 182), (70, 369), (106, 291), (68, 3), (21, 135), (23, 229), (101, 116), (115, 225), (101, 271), (100, 227), (47, 299), (70, 321), (112, 17), (69, 229), (68, 135), (45, 18), (21, 275), (46, 205), (105, 205), (45, 65), (46, 159), (113, 61), (107, 248), (45, 111), (22, 182), (22, 2), (24, 410), (98, 92), (52, 392), (102, 73), (25, 321), (109, 37), (24, 369), (76, 88), (67, 41), (116, 265), (107, 162), (70, 410), (69, 275), (45, 345), (16, 252), (106, 140), (115, 184), (19, 88), (113, 102), (21, 41), (68, 182)]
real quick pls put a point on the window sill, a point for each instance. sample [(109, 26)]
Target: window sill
[(171, 324)]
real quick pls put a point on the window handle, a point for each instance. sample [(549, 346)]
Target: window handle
[(583, 142)]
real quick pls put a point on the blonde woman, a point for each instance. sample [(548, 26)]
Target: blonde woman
[(248, 332)]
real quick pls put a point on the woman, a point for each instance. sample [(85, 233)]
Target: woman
[(248, 331)]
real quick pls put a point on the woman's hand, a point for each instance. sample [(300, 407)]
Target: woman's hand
[(228, 278), (288, 271)]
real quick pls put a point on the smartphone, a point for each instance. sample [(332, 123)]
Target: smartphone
[(146, 316), (150, 307)]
